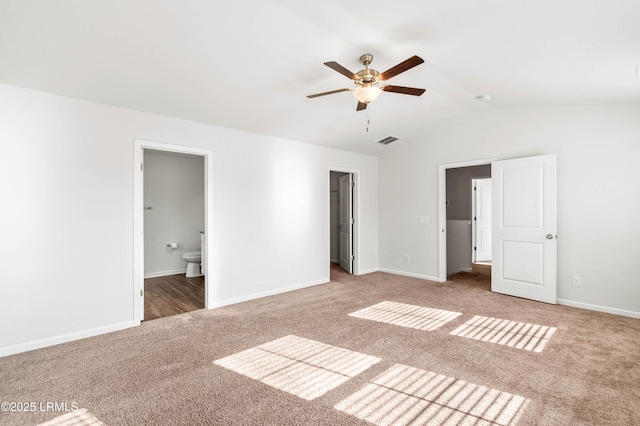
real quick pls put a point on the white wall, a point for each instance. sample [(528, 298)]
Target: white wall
[(66, 185), (174, 191), (598, 197)]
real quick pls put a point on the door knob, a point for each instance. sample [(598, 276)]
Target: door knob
[(549, 237)]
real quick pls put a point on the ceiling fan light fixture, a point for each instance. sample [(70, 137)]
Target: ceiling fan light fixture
[(367, 93)]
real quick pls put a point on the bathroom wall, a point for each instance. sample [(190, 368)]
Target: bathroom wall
[(174, 210)]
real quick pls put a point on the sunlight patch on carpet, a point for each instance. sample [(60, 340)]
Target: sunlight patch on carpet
[(405, 395), (299, 366), (81, 417), (520, 335), (404, 315)]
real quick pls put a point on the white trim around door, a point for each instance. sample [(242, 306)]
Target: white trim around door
[(355, 173), (138, 219)]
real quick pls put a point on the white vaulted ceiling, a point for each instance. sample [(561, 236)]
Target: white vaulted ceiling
[(249, 64)]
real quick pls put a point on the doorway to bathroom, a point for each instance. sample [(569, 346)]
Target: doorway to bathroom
[(173, 226), (172, 197)]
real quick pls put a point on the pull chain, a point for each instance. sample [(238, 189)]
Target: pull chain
[(368, 121)]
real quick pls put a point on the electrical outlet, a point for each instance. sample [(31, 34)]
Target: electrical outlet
[(575, 281), (407, 259)]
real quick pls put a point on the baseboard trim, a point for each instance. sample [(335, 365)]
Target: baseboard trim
[(64, 338), (368, 271), (219, 304), (408, 274), (598, 308), (165, 273)]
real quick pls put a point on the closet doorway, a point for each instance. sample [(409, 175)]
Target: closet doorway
[(342, 223)]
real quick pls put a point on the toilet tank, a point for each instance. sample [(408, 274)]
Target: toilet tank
[(203, 257)]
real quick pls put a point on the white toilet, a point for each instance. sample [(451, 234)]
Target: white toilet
[(193, 259)]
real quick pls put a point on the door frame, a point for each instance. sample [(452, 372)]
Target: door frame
[(474, 215), (355, 173), (442, 210), (139, 146), (345, 205)]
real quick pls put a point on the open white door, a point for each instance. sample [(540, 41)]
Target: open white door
[(345, 193), (481, 220), (524, 228)]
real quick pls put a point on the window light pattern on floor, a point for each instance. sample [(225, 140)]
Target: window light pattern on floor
[(404, 315), (299, 366), (80, 417), (405, 395), (520, 335)]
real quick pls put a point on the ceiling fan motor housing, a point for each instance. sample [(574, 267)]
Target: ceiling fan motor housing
[(367, 76)]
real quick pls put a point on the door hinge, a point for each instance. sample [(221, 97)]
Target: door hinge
[(353, 258), (474, 218), (141, 292), (475, 248), (140, 166)]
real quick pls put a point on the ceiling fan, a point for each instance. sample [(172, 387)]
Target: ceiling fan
[(370, 83)]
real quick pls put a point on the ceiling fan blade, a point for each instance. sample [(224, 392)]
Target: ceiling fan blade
[(342, 70), (401, 67), (328, 93), (361, 106), (404, 90)]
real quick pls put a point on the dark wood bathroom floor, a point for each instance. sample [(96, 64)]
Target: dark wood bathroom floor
[(172, 295)]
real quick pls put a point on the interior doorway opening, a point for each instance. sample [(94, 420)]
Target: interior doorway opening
[(464, 212), (456, 215), (173, 233), (524, 234), (178, 244), (342, 223), (481, 221)]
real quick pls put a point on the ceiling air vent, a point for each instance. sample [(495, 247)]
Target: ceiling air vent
[(388, 140)]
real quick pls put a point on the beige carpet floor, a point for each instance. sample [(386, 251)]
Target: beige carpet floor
[(181, 370)]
